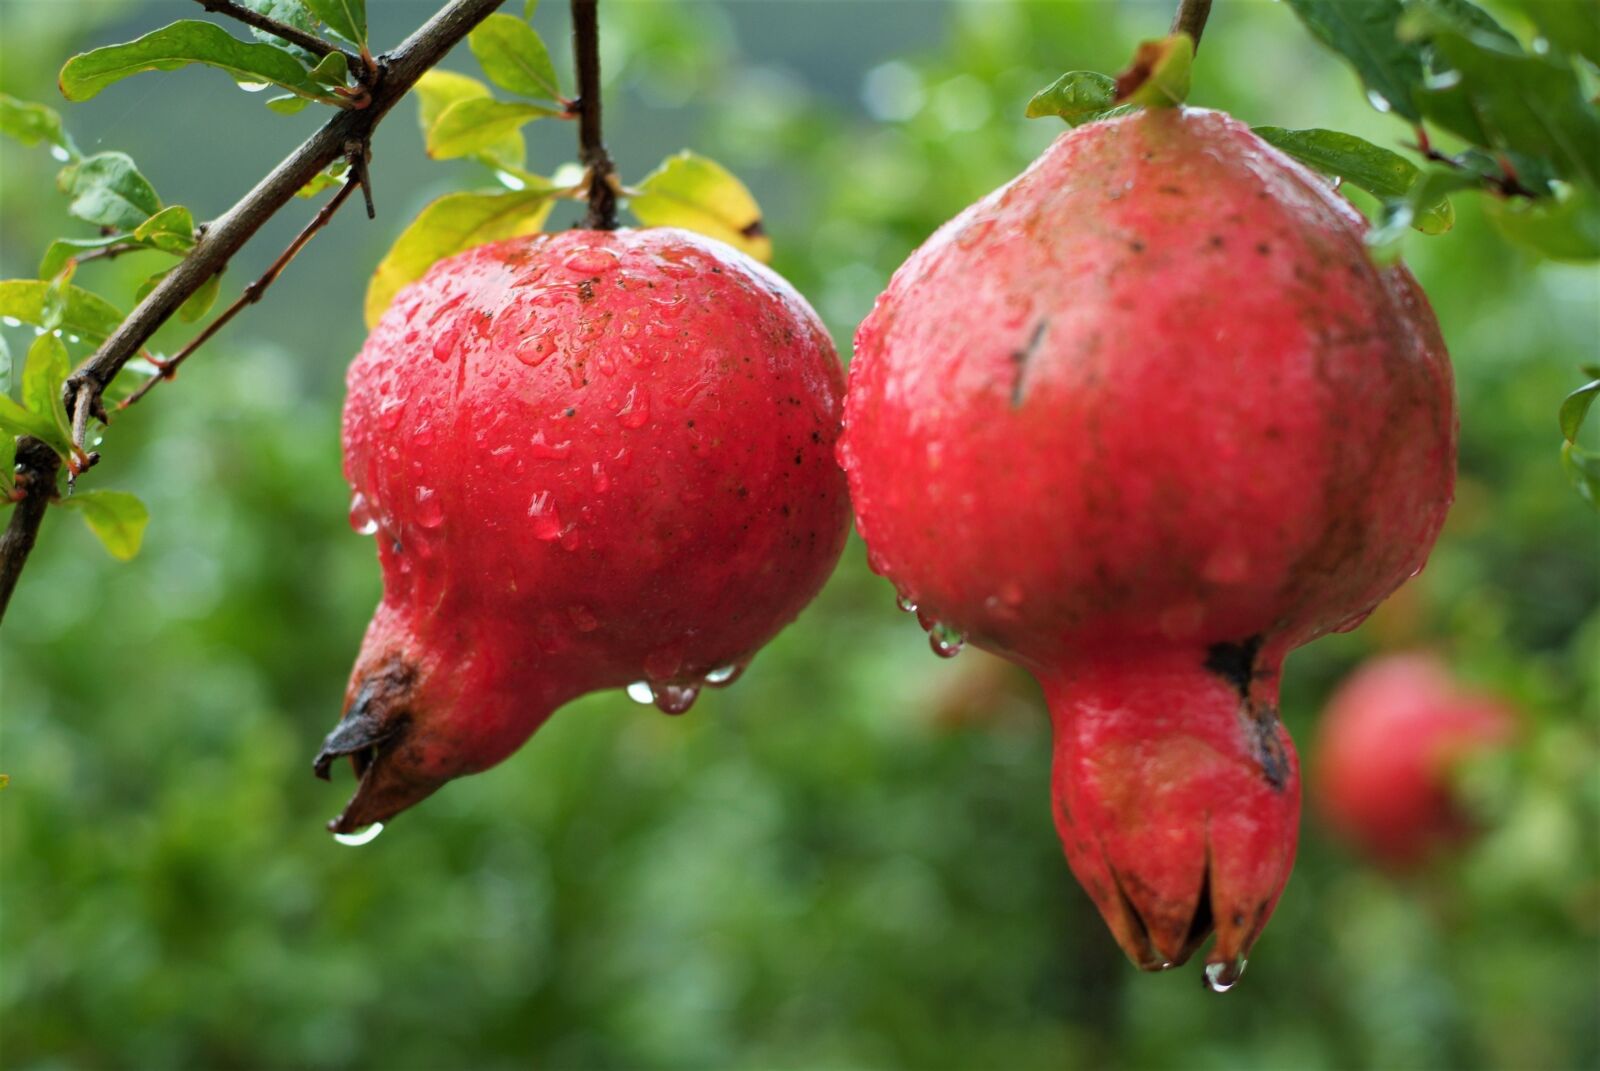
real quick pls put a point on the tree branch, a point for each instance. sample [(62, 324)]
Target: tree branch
[(1191, 18), (591, 147), (397, 73), (308, 41)]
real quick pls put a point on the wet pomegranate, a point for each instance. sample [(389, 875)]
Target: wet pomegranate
[(590, 460), (1143, 421), (1387, 747)]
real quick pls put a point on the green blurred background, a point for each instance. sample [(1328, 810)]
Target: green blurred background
[(847, 860)]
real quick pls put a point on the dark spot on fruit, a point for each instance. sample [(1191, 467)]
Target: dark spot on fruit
[(586, 290), (1020, 359), (570, 412), (1171, 191), (1215, 241), (1269, 748), (784, 509), (798, 459), (754, 230), (816, 436), (690, 423), (1136, 245), (1234, 662), (1238, 918), (1263, 248), (742, 491)]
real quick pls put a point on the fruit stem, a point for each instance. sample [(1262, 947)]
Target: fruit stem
[(1191, 18), (591, 148)]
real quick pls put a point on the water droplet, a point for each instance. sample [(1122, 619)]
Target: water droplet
[(945, 640), (538, 447), (602, 482), (1380, 102), (675, 698), (1354, 621), (546, 519), (10, 321), (256, 87), (445, 344), (906, 603), (430, 510), (723, 676), (59, 155), (361, 518), (641, 693), (635, 411), (533, 351), (389, 413), (592, 261), (360, 836), (1221, 977), (424, 436)]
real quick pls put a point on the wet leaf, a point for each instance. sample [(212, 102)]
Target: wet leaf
[(288, 104), (437, 90), (1160, 73), (58, 252), (170, 230), (1573, 26), (700, 195), (514, 57), (450, 224), (1433, 185), (1365, 33), (1384, 174), (290, 13), (1575, 407), (117, 519), (1583, 469), (329, 177), (32, 123), (331, 70), (46, 370), (88, 315), (178, 45), (476, 126), (1077, 97), (107, 189), (347, 18)]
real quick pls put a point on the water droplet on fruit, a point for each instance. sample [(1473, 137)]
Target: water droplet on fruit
[(538, 447), (389, 413), (1380, 102), (945, 640), (445, 344), (361, 518), (602, 482), (675, 698), (1354, 621), (592, 261), (641, 693), (430, 511), (906, 604), (635, 411), (424, 436), (1221, 977), (533, 351), (546, 520), (723, 676), (583, 618), (360, 836)]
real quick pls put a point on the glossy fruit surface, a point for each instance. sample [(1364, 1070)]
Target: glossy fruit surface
[(590, 459), (1144, 420)]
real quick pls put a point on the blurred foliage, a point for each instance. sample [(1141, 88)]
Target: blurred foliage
[(847, 859)]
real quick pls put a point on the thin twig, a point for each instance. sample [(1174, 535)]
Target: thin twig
[(1191, 18), (108, 252), (36, 479), (251, 294), (295, 36), (601, 172)]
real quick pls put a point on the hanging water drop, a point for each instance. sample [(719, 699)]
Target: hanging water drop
[(723, 676), (360, 836), (1378, 100), (641, 693), (675, 698), (430, 510), (945, 640), (361, 518), (1221, 977), (906, 604)]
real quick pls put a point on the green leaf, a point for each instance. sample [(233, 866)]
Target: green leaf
[(1575, 407), (62, 250), (1365, 33), (290, 13), (107, 189), (700, 195), (288, 104), (438, 90), (170, 230), (473, 127), (1463, 14), (116, 517), (32, 123), (8, 466), (1583, 469), (196, 305), (88, 315), (1506, 100), (1160, 74), (529, 8), (1078, 97), (5, 366), (329, 177), (331, 70), (1432, 187), (448, 225), (46, 370), (1573, 26), (178, 45), (1565, 226), (347, 18), (1384, 174), (16, 420), (514, 57)]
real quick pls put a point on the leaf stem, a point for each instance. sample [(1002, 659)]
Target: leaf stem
[(592, 152), (1191, 19)]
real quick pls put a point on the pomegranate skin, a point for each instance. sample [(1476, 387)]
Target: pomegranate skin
[(590, 459), (1144, 420), (1386, 746)]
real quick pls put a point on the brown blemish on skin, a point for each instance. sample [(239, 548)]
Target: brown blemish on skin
[(1020, 359)]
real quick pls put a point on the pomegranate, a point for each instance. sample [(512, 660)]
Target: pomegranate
[(1144, 420), (1386, 747), (591, 459)]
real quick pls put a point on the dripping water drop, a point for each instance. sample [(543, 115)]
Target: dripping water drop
[(360, 836), (723, 676), (945, 640), (640, 692), (1378, 100), (1221, 977), (906, 603), (675, 698)]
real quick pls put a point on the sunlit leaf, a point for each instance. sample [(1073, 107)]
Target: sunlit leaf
[(1366, 166), (288, 104), (700, 195), (514, 57), (178, 45), (1160, 73), (1365, 33), (470, 127), (438, 90), (347, 18), (329, 177), (108, 189), (117, 518), (32, 123), (1077, 97), (454, 222), (89, 316), (8, 465), (291, 13), (16, 420), (170, 230), (58, 252)]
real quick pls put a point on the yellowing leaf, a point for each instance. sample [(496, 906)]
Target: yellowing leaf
[(438, 90), (116, 517), (700, 195)]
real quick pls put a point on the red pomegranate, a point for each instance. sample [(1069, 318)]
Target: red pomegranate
[(1143, 421), (590, 459), (1387, 745)]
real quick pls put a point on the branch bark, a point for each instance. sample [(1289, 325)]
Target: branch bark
[(308, 41), (398, 71), (1191, 18), (602, 215)]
